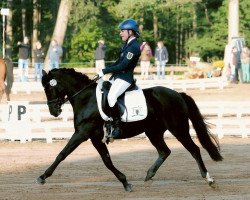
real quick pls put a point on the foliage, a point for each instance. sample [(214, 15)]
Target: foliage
[(83, 44), (185, 26), (245, 20)]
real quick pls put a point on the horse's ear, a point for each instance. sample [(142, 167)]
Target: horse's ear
[(44, 72)]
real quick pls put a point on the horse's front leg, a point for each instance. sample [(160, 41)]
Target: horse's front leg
[(104, 153), (76, 139)]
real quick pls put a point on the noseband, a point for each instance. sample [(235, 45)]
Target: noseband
[(62, 100)]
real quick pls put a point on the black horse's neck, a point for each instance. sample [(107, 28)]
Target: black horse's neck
[(74, 83)]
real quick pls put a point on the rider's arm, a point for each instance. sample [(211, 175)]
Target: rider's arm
[(124, 62)]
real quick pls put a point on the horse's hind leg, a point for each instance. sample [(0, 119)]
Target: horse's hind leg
[(163, 152), (103, 151), (8, 96), (1, 95), (2, 88), (184, 137)]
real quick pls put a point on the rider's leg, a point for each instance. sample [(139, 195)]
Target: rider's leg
[(26, 69), (115, 114), (20, 70), (118, 87)]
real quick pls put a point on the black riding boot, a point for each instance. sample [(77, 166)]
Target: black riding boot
[(115, 114)]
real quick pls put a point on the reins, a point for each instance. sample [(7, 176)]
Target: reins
[(63, 101)]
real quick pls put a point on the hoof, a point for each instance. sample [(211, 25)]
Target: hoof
[(128, 187), (148, 183), (40, 181), (212, 184), (210, 181)]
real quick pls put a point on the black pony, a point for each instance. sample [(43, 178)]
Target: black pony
[(167, 110)]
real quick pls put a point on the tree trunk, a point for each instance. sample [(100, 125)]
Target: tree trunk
[(61, 24), (181, 41), (23, 18), (141, 22), (155, 25), (35, 27), (206, 14), (62, 21), (233, 19), (194, 22), (9, 33), (177, 41)]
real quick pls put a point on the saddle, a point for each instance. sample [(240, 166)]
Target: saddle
[(130, 110)]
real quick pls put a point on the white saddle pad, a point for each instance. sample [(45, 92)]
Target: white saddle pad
[(135, 103)]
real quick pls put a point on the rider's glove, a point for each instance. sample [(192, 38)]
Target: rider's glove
[(100, 74)]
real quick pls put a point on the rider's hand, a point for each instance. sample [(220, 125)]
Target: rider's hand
[(100, 74)]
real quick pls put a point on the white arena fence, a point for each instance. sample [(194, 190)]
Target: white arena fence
[(226, 119), (180, 85)]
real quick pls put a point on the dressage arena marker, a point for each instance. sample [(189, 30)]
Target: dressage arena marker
[(17, 119)]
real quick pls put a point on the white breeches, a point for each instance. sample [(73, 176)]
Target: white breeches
[(118, 87)]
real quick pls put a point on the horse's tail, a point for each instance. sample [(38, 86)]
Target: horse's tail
[(207, 140)]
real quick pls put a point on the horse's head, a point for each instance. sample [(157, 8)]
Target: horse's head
[(55, 91), (59, 83)]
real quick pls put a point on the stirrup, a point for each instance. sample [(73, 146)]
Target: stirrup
[(108, 133)]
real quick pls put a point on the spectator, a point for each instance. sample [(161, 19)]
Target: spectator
[(55, 53), (161, 58), (238, 71), (23, 61), (245, 64), (100, 56), (226, 72), (38, 60), (233, 64), (146, 55)]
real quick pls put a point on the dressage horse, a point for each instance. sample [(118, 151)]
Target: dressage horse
[(3, 71), (167, 110), (6, 73)]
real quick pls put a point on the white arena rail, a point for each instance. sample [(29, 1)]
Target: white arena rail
[(183, 85), (225, 118), (26, 87)]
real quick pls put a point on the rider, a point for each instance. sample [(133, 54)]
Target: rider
[(122, 70)]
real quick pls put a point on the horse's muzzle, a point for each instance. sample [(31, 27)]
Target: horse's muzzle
[(55, 110)]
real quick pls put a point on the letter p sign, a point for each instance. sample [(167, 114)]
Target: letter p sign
[(21, 110), (18, 111)]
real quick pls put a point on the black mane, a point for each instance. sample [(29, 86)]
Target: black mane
[(78, 76)]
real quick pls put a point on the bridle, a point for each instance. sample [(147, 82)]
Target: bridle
[(62, 100)]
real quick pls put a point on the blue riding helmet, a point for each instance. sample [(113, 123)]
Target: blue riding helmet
[(130, 24)]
